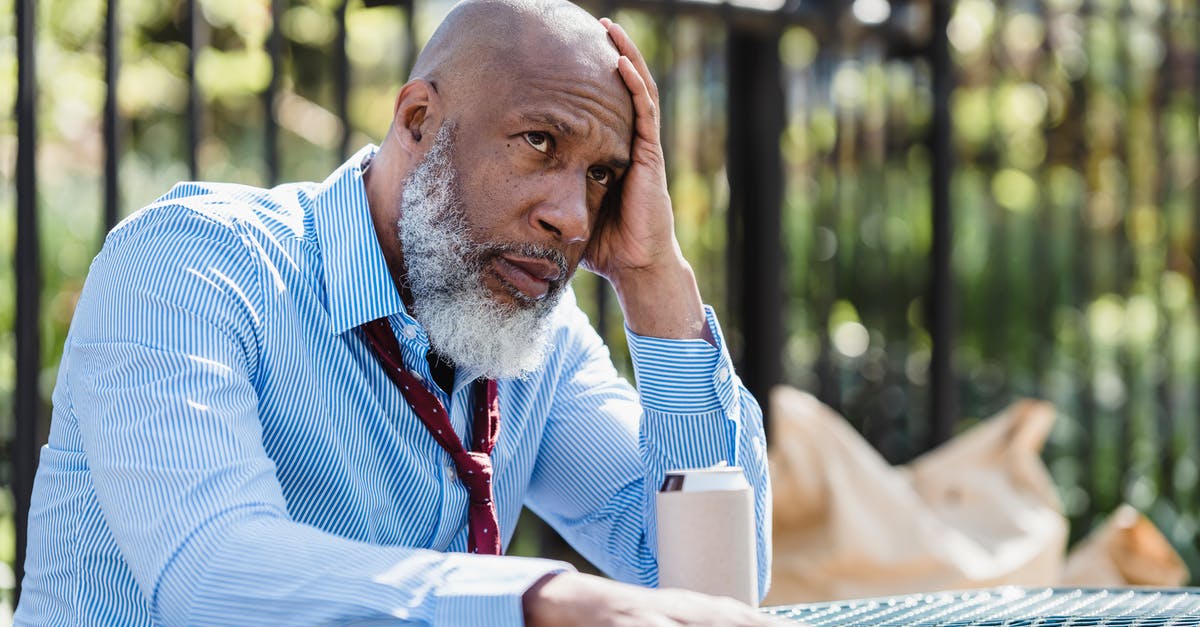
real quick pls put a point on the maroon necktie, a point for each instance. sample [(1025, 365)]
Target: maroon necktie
[(474, 467)]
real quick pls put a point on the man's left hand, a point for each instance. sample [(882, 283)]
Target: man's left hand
[(637, 251)]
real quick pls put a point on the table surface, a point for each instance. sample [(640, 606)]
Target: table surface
[(1009, 606)]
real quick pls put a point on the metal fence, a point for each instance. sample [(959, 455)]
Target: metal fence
[(895, 205)]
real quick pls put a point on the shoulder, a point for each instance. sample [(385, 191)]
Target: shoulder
[(203, 234), (222, 212)]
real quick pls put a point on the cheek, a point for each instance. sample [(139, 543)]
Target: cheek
[(493, 200), (498, 190)]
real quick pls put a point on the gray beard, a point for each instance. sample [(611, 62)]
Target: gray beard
[(445, 276)]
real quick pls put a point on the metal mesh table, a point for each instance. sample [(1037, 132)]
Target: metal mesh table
[(1008, 607)]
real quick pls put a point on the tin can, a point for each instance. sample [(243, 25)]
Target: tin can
[(707, 538)]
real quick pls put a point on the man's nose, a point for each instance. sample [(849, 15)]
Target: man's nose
[(563, 211)]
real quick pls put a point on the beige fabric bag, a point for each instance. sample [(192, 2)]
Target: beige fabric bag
[(979, 511), (1126, 550)]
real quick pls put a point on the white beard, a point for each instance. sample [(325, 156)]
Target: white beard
[(465, 323)]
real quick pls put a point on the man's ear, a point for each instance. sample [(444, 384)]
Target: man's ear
[(417, 116)]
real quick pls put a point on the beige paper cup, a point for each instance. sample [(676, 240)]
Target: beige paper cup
[(706, 533)]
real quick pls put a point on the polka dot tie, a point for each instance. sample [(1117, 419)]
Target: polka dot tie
[(474, 467)]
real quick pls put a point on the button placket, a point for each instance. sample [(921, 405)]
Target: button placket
[(453, 520)]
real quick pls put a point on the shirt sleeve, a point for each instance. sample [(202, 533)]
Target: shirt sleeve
[(161, 364), (607, 447)]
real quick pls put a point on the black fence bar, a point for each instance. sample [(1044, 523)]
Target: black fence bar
[(755, 166), (193, 20), (112, 146), (27, 404), (1196, 187), (341, 72), (1164, 407), (270, 123), (943, 405), (410, 36), (1083, 279), (602, 307)]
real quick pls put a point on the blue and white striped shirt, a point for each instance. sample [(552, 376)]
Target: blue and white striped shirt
[(226, 449)]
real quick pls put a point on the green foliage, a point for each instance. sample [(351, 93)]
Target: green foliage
[(1076, 241)]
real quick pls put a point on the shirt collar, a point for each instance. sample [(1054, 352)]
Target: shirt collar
[(358, 286)]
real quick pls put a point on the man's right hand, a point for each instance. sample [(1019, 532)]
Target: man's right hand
[(579, 600)]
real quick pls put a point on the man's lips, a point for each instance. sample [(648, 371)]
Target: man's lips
[(531, 276)]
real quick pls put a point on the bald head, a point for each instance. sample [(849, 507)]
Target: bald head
[(484, 41), (517, 126)]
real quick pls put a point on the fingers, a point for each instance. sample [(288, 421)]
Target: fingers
[(632, 67), (645, 107), (627, 48)]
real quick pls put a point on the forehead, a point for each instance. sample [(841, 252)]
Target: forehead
[(585, 103), (556, 63)]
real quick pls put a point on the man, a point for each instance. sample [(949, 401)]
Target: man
[(251, 423)]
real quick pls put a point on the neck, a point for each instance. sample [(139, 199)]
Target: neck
[(383, 194)]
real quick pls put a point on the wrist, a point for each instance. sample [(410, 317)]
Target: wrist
[(662, 301), (542, 603), (534, 602), (632, 282)]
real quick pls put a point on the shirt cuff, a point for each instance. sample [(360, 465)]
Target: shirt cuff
[(683, 376), (489, 588)]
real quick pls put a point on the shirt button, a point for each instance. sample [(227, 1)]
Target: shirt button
[(410, 333), (723, 376), (451, 474)]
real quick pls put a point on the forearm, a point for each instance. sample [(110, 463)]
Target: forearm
[(268, 570), (606, 446)]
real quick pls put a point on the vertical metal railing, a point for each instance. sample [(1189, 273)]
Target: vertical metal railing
[(1083, 279), (193, 24), (112, 139), (756, 122), (1194, 14), (942, 381), (341, 73), (270, 95), (28, 405)]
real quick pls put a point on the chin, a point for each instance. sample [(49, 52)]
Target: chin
[(496, 336)]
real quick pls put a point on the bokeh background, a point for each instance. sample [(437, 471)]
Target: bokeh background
[(1073, 196)]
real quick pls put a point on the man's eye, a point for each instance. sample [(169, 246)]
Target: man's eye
[(540, 141), (600, 175)]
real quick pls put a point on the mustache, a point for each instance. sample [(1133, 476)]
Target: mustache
[(490, 251)]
